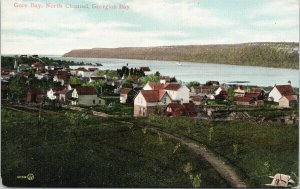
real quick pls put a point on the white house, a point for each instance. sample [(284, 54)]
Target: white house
[(86, 96), (124, 95), (53, 93), (239, 90), (150, 101), (178, 92), (287, 101), (281, 90), (85, 73)]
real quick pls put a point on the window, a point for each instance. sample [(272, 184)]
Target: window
[(99, 101), (94, 101), (165, 101)]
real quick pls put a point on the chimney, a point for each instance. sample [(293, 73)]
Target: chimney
[(289, 82)]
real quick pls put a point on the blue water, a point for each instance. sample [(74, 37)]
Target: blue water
[(202, 72)]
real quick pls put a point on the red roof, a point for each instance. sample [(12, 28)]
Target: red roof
[(285, 90), (242, 99), (145, 69), (92, 69), (86, 90), (290, 98), (167, 78), (196, 98), (186, 108), (172, 86), (153, 95), (81, 69), (256, 90), (125, 91), (156, 86), (63, 77), (252, 95)]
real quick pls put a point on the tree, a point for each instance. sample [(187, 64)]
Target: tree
[(130, 96), (97, 84), (75, 80), (193, 83), (157, 73), (173, 79), (17, 87), (127, 83), (149, 78)]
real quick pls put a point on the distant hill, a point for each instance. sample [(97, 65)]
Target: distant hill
[(283, 55)]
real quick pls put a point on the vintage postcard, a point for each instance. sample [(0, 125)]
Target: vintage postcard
[(150, 94)]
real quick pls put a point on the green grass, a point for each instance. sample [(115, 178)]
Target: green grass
[(93, 152), (261, 149), (116, 109)]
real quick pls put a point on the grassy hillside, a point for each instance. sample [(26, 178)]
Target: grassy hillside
[(256, 149), (283, 55), (62, 150)]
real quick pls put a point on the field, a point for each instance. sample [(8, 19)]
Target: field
[(256, 149), (72, 149)]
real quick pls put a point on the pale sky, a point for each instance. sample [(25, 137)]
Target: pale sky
[(55, 31)]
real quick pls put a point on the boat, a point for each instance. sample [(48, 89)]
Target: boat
[(179, 64)]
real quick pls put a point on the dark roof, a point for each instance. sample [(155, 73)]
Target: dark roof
[(189, 108), (81, 69), (73, 86), (285, 90), (86, 90), (125, 91), (97, 78), (92, 69), (172, 86), (145, 69)]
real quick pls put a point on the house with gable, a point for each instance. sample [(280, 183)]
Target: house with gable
[(280, 91), (178, 92), (287, 101), (150, 101), (87, 96), (53, 93), (124, 95)]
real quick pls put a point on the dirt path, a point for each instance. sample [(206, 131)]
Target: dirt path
[(226, 171)]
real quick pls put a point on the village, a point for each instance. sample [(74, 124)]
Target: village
[(36, 83), (124, 120)]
